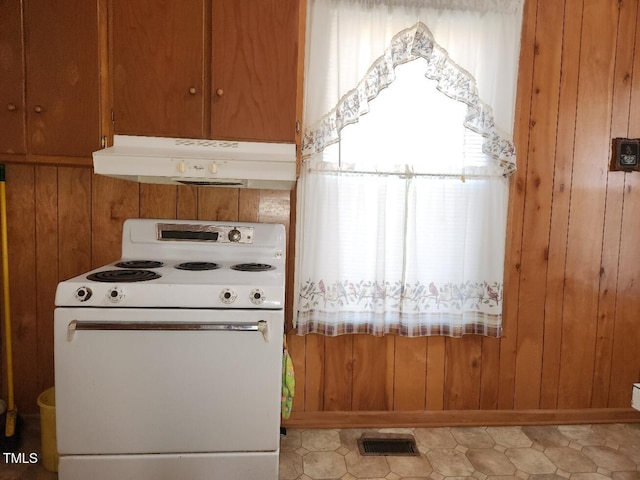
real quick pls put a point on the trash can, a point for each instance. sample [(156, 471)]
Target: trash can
[(49, 448)]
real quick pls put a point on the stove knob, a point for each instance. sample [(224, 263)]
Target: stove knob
[(257, 296), (227, 296), (83, 294), (115, 295), (234, 235)]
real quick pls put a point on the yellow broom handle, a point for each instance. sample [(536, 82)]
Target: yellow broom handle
[(5, 284)]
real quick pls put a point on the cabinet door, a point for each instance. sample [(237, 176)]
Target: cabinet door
[(254, 69), (158, 67), (11, 78), (63, 90)]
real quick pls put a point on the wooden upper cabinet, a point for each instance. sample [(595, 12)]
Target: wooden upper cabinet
[(254, 69), (12, 116), (158, 67), (62, 77), (222, 69)]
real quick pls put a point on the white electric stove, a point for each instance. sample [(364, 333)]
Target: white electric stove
[(168, 361)]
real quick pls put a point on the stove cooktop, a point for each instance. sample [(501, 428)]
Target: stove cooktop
[(187, 264)]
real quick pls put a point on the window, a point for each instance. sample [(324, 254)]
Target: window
[(403, 193)]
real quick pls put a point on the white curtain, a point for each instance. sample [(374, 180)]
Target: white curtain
[(407, 149)]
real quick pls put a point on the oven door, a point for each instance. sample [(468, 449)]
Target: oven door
[(135, 381)]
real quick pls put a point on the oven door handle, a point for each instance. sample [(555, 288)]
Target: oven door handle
[(259, 326)]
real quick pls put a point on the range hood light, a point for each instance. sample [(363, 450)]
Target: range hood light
[(180, 161)]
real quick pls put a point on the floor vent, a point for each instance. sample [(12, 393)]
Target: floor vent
[(391, 444)]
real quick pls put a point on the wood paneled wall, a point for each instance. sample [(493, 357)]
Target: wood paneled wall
[(572, 307), (572, 327)]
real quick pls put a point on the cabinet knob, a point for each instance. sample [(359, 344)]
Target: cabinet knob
[(37, 109), (192, 90), (219, 92), (11, 107)]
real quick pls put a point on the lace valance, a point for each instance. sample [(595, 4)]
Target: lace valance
[(452, 80)]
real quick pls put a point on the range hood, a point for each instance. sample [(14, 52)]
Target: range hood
[(182, 161)]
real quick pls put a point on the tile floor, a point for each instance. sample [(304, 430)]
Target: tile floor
[(580, 452)]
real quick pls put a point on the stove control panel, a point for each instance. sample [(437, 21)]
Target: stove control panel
[(204, 233)]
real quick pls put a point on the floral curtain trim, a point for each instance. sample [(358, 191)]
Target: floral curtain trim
[(452, 80), (416, 309)]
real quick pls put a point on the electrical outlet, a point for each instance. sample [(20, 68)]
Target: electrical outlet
[(626, 154)]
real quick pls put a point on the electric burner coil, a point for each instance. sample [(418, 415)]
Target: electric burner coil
[(197, 266), (252, 267), (135, 264), (123, 276)]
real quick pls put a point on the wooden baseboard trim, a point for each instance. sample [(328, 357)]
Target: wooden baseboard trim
[(456, 418)]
